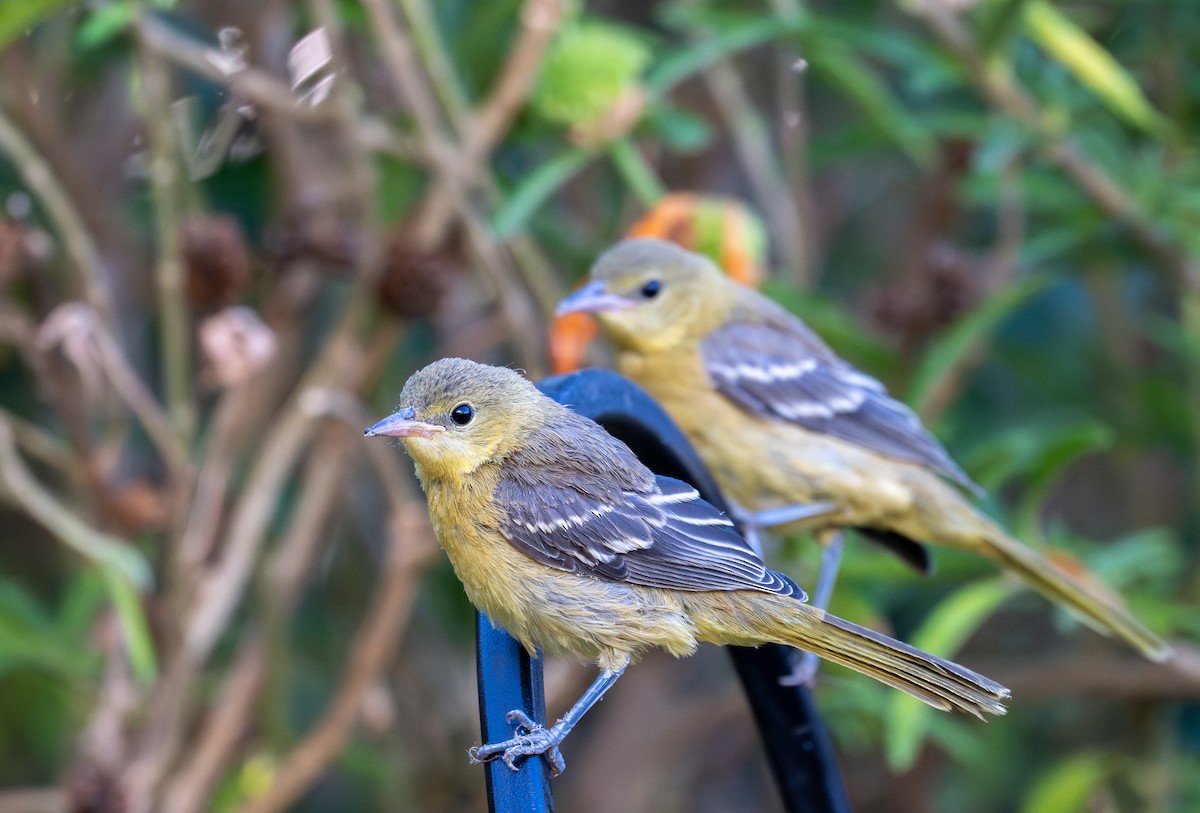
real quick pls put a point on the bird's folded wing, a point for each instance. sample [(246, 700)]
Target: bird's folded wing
[(664, 536), (769, 370)]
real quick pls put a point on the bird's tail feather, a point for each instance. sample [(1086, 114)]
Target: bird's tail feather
[(1098, 610), (940, 683)]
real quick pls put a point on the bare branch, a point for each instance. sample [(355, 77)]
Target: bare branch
[(19, 484), (252, 84), (40, 178)]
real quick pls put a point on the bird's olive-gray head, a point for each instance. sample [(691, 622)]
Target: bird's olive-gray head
[(455, 415), (647, 294)]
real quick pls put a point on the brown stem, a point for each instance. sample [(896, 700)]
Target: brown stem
[(753, 145), (59, 205), (252, 84), (455, 176), (216, 744)]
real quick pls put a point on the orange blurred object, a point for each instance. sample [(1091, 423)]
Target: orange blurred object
[(570, 336), (724, 229)]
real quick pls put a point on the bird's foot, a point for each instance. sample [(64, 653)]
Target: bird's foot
[(804, 671), (531, 738)]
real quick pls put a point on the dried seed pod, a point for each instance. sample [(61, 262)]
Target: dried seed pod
[(413, 281), (237, 345), (216, 261), (914, 308)]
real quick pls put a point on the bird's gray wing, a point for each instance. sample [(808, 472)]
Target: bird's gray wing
[(654, 532), (771, 370)]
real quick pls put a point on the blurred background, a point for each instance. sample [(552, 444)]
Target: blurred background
[(229, 231)]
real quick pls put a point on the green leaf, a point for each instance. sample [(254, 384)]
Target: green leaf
[(103, 24), (681, 130), (17, 17), (685, 62), (529, 196), (1092, 65), (134, 627), (637, 174), (951, 347), (29, 637), (1068, 786), (950, 624), (1036, 450)]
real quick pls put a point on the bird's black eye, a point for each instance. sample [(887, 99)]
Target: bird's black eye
[(651, 289), (462, 414)]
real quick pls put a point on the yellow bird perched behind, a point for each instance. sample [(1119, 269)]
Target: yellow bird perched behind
[(564, 538), (782, 421)]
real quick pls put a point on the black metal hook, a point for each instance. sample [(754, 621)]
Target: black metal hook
[(796, 742)]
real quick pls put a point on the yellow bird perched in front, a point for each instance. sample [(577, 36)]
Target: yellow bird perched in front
[(559, 534)]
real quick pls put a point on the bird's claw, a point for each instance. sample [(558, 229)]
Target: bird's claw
[(531, 738)]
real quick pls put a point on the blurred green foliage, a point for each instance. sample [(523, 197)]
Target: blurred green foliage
[(999, 216)]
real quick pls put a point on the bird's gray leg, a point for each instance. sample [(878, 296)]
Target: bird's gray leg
[(753, 522), (534, 738), (804, 666)]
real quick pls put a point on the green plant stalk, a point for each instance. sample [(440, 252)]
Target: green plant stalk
[(537, 187), (436, 59), (641, 178), (139, 644), (165, 177)]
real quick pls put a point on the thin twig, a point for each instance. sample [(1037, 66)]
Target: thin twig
[(436, 60), (539, 20), (18, 483), (406, 74), (40, 178), (130, 387), (753, 145), (252, 84), (215, 746), (165, 175), (39, 443)]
